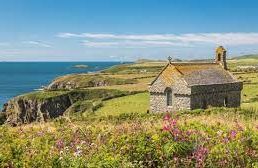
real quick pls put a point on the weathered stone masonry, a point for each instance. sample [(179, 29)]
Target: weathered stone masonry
[(217, 95)]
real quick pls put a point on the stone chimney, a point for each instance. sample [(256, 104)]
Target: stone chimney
[(221, 57)]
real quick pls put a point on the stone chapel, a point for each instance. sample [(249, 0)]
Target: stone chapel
[(194, 85)]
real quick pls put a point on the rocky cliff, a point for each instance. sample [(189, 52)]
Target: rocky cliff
[(44, 105), (23, 110)]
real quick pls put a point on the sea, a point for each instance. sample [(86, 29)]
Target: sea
[(17, 78)]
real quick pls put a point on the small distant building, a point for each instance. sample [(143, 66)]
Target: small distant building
[(195, 85)]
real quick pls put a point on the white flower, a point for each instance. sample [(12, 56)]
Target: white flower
[(220, 132), (77, 153)]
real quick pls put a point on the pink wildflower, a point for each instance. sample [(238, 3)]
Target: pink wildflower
[(233, 134), (173, 122), (199, 155), (60, 144), (167, 117), (166, 128)]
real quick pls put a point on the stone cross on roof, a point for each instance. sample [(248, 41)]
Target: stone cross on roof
[(169, 59)]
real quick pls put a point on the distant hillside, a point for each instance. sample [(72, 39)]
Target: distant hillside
[(148, 60), (201, 60), (158, 60), (251, 56)]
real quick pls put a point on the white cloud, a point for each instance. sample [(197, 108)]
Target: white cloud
[(118, 37), (99, 44), (68, 35), (173, 39), (221, 38), (38, 43), (132, 44)]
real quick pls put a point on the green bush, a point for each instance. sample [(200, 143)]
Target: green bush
[(2, 118)]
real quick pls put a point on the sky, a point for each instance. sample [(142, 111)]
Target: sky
[(125, 30)]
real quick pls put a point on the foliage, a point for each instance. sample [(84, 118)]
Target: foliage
[(146, 140), (2, 118)]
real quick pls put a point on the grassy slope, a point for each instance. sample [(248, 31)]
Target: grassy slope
[(242, 62), (125, 105), (251, 56)]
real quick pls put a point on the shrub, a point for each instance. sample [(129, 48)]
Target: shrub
[(2, 118)]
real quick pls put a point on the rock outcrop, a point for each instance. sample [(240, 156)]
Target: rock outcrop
[(44, 105), (22, 110)]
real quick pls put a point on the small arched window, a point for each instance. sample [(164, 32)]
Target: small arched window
[(219, 57), (226, 101), (169, 96)]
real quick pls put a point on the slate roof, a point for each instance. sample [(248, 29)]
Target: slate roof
[(197, 74)]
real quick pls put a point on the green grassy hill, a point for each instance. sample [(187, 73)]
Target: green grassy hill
[(250, 56)]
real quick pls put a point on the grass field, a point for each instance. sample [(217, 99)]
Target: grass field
[(138, 103)]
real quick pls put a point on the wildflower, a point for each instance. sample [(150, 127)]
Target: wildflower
[(78, 152), (66, 148), (59, 144), (173, 122), (167, 117), (166, 128), (233, 134), (225, 140), (220, 132), (189, 132), (83, 142), (176, 132), (200, 154)]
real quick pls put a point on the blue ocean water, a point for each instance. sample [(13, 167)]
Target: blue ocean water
[(21, 77)]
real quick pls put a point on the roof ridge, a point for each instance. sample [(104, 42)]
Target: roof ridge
[(194, 63)]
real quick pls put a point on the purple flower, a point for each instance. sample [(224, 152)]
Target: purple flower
[(200, 154), (225, 140), (60, 144), (77, 152), (233, 134)]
